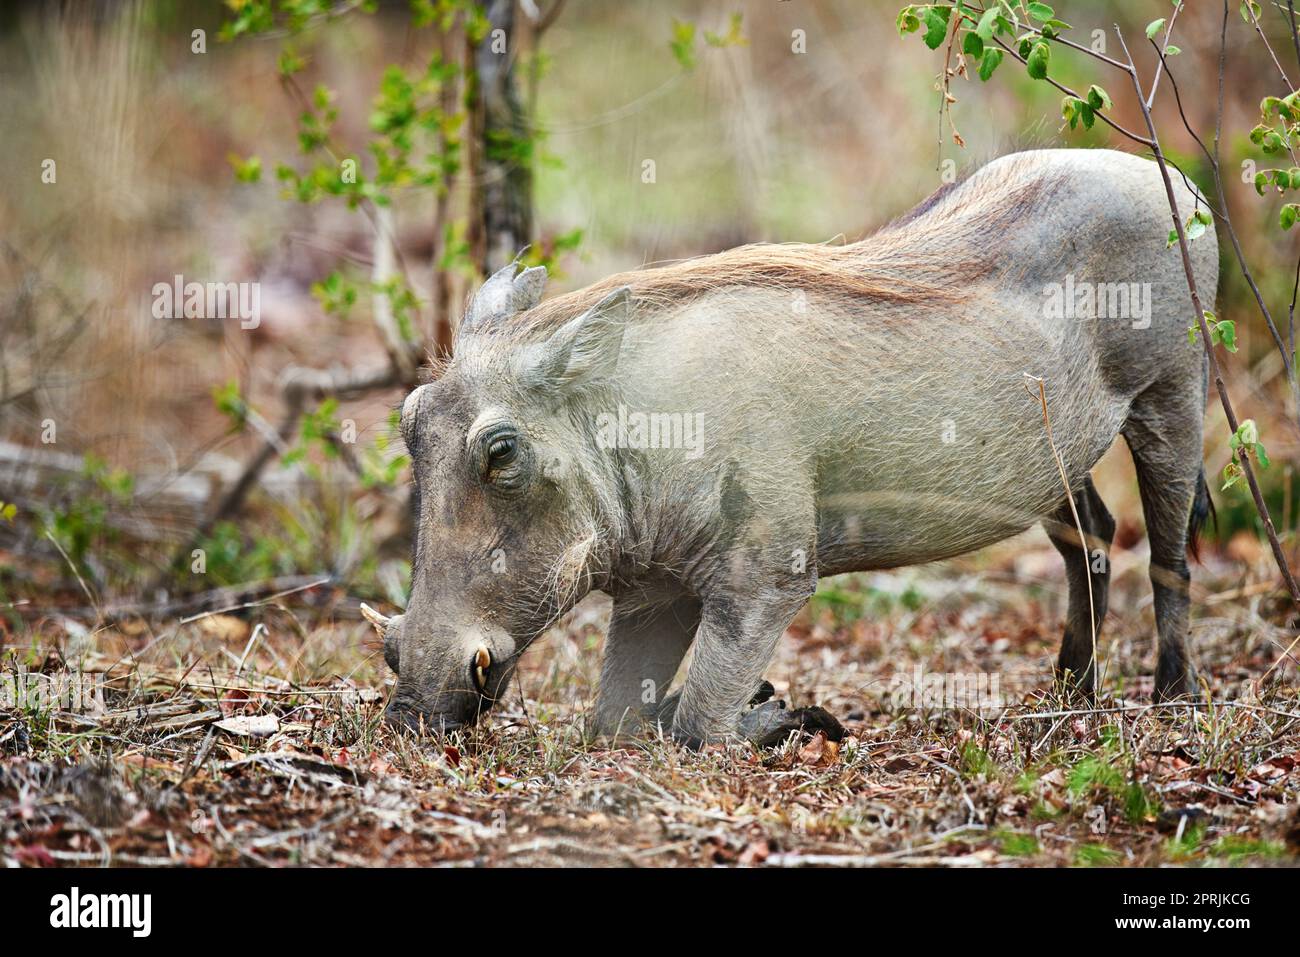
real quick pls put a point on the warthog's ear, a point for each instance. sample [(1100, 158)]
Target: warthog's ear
[(584, 349), (503, 295)]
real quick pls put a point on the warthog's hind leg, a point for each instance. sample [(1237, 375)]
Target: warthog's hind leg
[(1164, 434), (1075, 668)]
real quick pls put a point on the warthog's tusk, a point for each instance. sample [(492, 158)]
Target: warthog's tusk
[(379, 621), (482, 661)]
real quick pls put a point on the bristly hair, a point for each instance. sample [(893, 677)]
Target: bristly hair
[(935, 254)]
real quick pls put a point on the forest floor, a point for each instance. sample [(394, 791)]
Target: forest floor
[(252, 736)]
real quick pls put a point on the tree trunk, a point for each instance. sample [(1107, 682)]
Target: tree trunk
[(501, 218)]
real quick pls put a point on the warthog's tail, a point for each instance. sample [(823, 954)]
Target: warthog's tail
[(1202, 507)]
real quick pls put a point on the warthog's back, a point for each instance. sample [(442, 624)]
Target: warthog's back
[(899, 388)]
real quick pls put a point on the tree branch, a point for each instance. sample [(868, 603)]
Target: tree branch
[(1278, 554)]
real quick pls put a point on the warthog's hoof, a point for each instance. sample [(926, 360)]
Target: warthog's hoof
[(1177, 683), (771, 722)]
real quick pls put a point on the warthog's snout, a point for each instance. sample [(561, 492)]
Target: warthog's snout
[(402, 718), (447, 679)]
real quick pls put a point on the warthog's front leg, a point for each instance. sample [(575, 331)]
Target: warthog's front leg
[(768, 722), (742, 619), (644, 649)]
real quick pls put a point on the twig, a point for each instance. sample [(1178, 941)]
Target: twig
[(1207, 344), (1160, 51), (300, 386), (1083, 540), (1069, 92), (1295, 33), (258, 630), (80, 581), (1223, 212)]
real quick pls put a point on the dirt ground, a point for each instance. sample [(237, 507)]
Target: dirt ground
[(251, 735)]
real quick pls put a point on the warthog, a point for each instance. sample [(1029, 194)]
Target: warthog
[(862, 407)]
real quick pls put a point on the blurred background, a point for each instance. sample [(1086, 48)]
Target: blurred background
[(180, 137)]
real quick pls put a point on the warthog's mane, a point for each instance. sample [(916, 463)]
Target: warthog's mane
[(936, 253)]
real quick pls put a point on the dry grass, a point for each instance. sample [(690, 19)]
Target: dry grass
[(153, 780)]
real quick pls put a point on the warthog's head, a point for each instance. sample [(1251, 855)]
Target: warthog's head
[(510, 506)]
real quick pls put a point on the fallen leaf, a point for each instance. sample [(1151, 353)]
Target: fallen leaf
[(1267, 771), (251, 725), (899, 764), (819, 750), (35, 855), (233, 701), (224, 628), (755, 853), (201, 857)]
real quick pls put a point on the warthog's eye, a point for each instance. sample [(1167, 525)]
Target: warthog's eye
[(502, 451), (479, 669), (499, 457)]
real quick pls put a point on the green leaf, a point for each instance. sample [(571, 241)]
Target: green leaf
[(732, 38), (683, 43), (1098, 98), (1041, 12), (989, 63), (984, 29), (246, 171), (1076, 110), (936, 26), (972, 45), (1154, 27), (290, 63), (1070, 107), (908, 21), (1036, 62), (230, 403), (1172, 50), (1224, 332), (1288, 215)]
